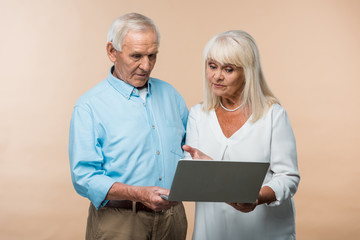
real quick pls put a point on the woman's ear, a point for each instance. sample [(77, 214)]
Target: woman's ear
[(111, 52)]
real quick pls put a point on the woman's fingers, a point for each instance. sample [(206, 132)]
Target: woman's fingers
[(193, 151), (196, 153), (243, 207)]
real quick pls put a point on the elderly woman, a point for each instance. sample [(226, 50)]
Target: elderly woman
[(241, 119)]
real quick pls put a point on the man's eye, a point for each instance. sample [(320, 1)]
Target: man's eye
[(152, 56), (136, 56)]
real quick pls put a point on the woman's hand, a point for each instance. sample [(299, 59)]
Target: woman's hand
[(266, 195), (244, 207), (196, 153)]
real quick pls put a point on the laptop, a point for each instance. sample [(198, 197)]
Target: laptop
[(217, 181)]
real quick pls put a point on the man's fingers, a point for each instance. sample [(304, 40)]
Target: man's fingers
[(154, 199)]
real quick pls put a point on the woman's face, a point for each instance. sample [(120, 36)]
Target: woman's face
[(225, 80)]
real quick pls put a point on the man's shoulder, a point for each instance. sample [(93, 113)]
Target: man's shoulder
[(160, 83), (167, 92), (93, 92)]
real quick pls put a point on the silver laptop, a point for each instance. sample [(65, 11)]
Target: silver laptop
[(217, 181)]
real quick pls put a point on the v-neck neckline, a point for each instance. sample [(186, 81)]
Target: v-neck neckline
[(219, 130)]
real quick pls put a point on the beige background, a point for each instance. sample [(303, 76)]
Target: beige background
[(51, 52)]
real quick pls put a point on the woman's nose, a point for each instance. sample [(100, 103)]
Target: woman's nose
[(218, 75)]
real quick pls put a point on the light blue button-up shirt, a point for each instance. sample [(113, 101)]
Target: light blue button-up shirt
[(116, 136)]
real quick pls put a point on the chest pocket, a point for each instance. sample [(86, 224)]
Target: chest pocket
[(174, 135)]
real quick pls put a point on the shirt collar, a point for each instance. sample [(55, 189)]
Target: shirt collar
[(124, 88)]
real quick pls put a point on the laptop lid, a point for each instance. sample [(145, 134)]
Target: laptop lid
[(217, 181)]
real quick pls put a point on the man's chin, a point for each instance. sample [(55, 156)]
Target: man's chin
[(140, 83)]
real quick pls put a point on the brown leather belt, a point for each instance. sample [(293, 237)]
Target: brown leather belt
[(127, 204)]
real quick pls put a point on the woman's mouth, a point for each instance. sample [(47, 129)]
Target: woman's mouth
[(216, 85)]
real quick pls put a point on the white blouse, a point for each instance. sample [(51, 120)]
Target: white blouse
[(269, 139)]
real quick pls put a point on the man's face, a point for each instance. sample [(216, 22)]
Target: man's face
[(135, 62)]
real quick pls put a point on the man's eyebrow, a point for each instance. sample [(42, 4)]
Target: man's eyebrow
[(140, 53)]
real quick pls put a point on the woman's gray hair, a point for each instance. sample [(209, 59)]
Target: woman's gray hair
[(129, 22), (239, 48)]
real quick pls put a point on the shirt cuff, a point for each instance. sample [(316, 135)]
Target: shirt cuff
[(98, 189), (278, 195)]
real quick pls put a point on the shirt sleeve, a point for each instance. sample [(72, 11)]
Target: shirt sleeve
[(184, 114), (192, 133), (86, 158), (283, 163)]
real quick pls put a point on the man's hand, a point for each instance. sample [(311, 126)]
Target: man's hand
[(149, 196), (196, 153)]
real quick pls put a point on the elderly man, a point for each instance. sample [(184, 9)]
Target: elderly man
[(126, 135)]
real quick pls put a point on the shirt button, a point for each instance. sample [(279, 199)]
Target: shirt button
[(134, 91), (153, 127), (158, 152), (144, 104), (160, 178)]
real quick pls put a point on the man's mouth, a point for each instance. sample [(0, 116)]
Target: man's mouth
[(141, 75)]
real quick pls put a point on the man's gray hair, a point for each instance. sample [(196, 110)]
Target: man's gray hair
[(129, 22)]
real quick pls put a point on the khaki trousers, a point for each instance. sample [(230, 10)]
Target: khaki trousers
[(117, 223)]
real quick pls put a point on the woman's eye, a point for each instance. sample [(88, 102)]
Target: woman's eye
[(211, 66), (229, 70)]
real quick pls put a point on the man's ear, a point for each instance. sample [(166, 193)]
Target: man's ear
[(111, 52)]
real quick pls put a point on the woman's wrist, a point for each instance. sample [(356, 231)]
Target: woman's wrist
[(266, 195)]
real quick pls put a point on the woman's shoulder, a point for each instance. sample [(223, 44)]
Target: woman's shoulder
[(197, 111), (196, 107), (277, 112), (276, 107)]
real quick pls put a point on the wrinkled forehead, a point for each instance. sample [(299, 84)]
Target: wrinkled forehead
[(139, 36), (141, 41)]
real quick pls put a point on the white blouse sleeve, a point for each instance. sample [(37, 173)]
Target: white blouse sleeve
[(192, 133), (283, 162)]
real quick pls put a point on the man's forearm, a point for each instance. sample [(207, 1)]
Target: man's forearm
[(149, 196), (121, 191)]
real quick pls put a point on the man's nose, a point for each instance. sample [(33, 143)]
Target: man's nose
[(145, 64)]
